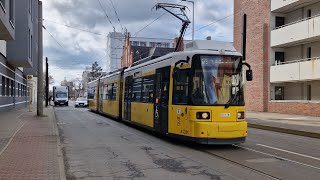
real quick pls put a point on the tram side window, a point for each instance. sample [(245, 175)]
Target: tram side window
[(136, 90), (114, 91), (147, 89), (127, 89), (105, 92), (91, 93), (180, 91), (109, 92)]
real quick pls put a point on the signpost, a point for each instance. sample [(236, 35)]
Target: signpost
[(30, 85)]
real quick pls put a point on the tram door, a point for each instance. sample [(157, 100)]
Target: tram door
[(162, 82), (128, 98)]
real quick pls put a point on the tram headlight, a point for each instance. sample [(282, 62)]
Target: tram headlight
[(240, 115), (203, 115)]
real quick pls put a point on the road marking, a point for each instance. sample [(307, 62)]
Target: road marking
[(311, 157), (278, 157)]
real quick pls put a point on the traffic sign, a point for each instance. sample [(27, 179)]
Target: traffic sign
[(29, 77)]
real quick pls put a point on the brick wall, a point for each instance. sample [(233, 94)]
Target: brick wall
[(127, 56), (258, 20), (299, 108)]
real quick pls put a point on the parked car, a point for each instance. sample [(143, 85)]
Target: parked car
[(81, 102)]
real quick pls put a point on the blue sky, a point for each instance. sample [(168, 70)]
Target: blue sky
[(71, 50)]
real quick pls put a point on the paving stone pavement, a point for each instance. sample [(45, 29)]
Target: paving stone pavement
[(32, 153)]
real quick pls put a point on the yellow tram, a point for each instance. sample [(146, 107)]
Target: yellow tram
[(195, 95)]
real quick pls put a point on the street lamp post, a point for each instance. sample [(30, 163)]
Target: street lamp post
[(192, 17)]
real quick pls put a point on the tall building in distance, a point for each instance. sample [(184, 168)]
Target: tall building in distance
[(116, 43), (284, 49)]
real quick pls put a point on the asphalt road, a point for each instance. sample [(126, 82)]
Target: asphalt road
[(96, 147)]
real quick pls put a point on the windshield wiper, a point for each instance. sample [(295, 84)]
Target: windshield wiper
[(227, 105)]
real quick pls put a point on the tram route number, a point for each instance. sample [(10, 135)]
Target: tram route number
[(184, 132)]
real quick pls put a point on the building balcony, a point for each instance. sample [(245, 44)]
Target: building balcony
[(6, 26), (284, 6), (298, 70), (295, 33)]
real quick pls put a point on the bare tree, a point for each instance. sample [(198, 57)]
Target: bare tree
[(96, 70)]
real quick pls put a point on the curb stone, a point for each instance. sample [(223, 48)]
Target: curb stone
[(59, 147), (285, 130)]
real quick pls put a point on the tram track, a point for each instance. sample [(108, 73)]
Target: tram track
[(240, 164), (237, 162), (278, 157)]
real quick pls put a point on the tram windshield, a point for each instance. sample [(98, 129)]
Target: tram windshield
[(217, 80)]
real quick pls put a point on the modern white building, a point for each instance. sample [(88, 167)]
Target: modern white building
[(115, 43), (295, 50)]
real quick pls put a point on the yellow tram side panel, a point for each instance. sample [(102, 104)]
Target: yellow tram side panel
[(111, 107), (93, 103), (142, 113)]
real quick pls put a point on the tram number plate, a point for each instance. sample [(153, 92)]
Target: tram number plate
[(225, 114)]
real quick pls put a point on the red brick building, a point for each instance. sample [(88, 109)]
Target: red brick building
[(283, 49), (258, 18)]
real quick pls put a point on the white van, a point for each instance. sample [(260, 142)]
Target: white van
[(61, 95)]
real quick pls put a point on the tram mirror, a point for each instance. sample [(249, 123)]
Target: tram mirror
[(249, 75)]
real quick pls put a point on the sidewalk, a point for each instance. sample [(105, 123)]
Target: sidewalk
[(29, 146), (292, 124)]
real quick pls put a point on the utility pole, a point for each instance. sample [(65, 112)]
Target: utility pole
[(40, 64), (47, 82)]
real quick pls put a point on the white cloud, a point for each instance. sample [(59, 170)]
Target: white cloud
[(80, 49)]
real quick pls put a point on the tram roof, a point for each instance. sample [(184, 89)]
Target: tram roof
[(207, 47)]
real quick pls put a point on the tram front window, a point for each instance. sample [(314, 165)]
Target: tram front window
[(217, 80)]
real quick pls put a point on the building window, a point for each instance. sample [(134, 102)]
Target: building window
[(309, 13), (152, 44), (279, 93), (8, 87), (3, 4), (3, 87), (279, 21), (309, 93), (135, 43), (12, 88), (309, 53), (159, 44), (11, 12), (18, 89), (31, 49), (144, 44), (166, 45), (279, 57), (30, 6), (29, 52), (21, 90)]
